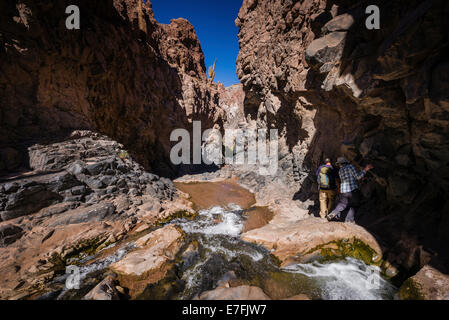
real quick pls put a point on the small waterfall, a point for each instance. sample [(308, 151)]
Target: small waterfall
[(348, 279), (214, 249), (216, 220), (217, 232), (101, 264)]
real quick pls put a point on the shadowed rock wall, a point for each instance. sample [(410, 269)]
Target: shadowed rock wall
[(122, 74), (332, 87)]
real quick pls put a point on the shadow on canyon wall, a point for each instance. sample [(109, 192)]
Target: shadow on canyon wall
[(110, 76), (384, 102)]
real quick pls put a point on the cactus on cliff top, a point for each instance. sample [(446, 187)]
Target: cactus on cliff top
[(212, 71)]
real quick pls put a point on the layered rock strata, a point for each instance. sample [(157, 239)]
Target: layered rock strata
[(85, 194)]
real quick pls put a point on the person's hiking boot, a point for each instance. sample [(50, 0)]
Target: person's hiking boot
[(330, 216)]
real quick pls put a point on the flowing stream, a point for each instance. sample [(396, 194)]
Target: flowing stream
[(216, 253)]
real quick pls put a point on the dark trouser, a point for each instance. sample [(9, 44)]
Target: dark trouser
[(348, 199)]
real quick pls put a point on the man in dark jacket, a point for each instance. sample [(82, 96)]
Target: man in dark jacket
[(327, 183)]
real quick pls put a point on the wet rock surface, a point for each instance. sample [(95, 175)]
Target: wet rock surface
[(105, 290), (302, 238), (281, 256), (151, 262), (236, 293)]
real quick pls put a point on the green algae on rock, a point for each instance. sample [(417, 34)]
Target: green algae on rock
[(410, 290), (347, 248), (427, 284)]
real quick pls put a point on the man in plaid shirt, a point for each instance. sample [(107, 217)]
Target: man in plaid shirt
[(349, 189)]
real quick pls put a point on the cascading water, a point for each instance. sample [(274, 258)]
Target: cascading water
[(86, 269), (214, 250), (348, 279), (219, 249), (217, 232)]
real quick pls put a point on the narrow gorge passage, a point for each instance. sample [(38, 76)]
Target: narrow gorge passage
[(118, 180)]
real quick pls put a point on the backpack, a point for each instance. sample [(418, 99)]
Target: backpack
[(325, 178)]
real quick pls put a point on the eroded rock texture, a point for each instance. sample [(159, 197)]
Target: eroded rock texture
[(231, 101), (85, 194), (121, 74), (427, 284), (332, 87)]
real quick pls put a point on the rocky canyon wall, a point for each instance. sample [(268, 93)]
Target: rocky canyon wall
[(122, 74), (332, 87)]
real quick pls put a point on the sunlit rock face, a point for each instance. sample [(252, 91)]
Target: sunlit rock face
[(122, 74), (85, 194), (332, 87), (231, 101)]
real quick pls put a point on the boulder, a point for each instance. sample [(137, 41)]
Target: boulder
[(105, 290), (62, 181), (96, 168), (94, 183), (79, 190), (304, 239), (160, 239), (10, 187), (342, 22), (236, 293), (76, 167), (427, 284), (121, 203), (151, 262), (327, 49)]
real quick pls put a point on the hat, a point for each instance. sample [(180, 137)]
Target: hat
[(327, 160), (342, 160)]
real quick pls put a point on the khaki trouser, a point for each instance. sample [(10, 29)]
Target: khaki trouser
[(327, 199)]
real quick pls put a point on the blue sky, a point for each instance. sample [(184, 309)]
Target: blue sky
[(213, 21)]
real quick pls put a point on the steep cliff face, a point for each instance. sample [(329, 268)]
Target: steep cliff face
[(121, 74), (332, 87)]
